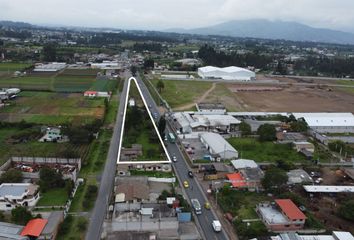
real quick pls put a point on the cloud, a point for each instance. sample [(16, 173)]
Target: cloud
[(162, 14)]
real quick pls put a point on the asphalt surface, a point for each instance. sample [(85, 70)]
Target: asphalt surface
[(107, 180), (181, 167)]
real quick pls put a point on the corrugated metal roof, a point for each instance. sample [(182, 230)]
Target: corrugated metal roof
[(290, 209), (327, 119), (34, 227), (217, 143), (328, 188)]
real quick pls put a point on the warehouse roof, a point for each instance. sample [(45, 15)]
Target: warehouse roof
[(217, 142), (328, 189), (244, 163), (216, 120), (230, 69), (327, 119), (290, 209)]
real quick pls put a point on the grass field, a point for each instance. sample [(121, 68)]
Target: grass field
[(53, 108), (70, 80), (53, 197), (13, 66), (250, 148), (178, 93)]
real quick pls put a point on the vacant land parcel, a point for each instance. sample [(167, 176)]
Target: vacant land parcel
[(53, 108)]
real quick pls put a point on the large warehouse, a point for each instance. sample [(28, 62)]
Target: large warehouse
[(218, 146), (328, 122), (227, 73)]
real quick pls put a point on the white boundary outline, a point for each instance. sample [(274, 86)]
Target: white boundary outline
[(153, 123)]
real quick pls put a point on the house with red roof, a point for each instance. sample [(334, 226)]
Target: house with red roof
[(34, 228), (281, 215)]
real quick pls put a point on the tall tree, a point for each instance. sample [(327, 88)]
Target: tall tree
[(245, 128), (160, 85), (162, 126), (149, 64), (49, 53), (11, 176), (20, 215), (133, 70), (266, 132), (274, 178)]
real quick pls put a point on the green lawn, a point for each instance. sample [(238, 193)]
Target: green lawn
[(53, 197), (13, 66), (178, 93), (251, 148)]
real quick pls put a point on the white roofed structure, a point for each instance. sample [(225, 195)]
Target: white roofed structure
[(226, 73), (328, 122), (217, 145), (328, 189), (244, 163)]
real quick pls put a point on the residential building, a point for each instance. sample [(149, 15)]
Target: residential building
[(217, 146), (52, 134), (250, 171), (34, 228), (226, 73), (290, 137), (304, 145), (18, 194), (281, 216)]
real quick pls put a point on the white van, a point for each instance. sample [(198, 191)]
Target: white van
[(216, 225)]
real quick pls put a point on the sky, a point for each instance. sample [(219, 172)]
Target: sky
[(165, 14)]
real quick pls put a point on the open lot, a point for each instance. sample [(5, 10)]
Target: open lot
[(251, 148), (53, 108), (13, 66), (297, 99)]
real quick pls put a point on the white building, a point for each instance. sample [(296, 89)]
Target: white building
[(50, 67), (244, 163), (336, 235), (227, 73), (18, 194), (328, 122), (218, 146)]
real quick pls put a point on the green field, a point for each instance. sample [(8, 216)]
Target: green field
[(53, 108), (250, 148), (178, 93), (11, 67), (70, 80), (53, 197)]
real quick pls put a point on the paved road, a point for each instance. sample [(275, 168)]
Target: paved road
[(181, 167), (107, 180)]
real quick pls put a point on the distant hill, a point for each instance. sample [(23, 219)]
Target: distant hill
[(260, 28), (15, 24)]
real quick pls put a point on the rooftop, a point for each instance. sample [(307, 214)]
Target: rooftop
[(327, 119), (328, 189), (290, 209), (17, 189), (271, 214), (298, 176), (244, 163), (237, 180), (34, 227), (216, 119), (217, 142)]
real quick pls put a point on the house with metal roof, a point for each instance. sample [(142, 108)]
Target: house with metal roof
[(11, 231), (218, 146), (281, 216)]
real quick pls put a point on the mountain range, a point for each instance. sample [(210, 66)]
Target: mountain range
[(260, 28)]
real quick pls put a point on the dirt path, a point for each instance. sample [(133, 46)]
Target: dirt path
[(200, 99)]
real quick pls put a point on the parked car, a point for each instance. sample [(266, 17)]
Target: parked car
[(190, 174), (186, 184)]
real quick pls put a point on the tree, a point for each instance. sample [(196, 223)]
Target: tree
[(49, 53), (160, 85), (11, 176), (133, 70), (50, 178), (162, 126), (267, 132), (346, 210), (20, 215), (274, 178), (82, 224), (298, 126), (149, 64), (245, 128)]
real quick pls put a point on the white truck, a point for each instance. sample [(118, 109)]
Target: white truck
[(196, 206), (216, 225)]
